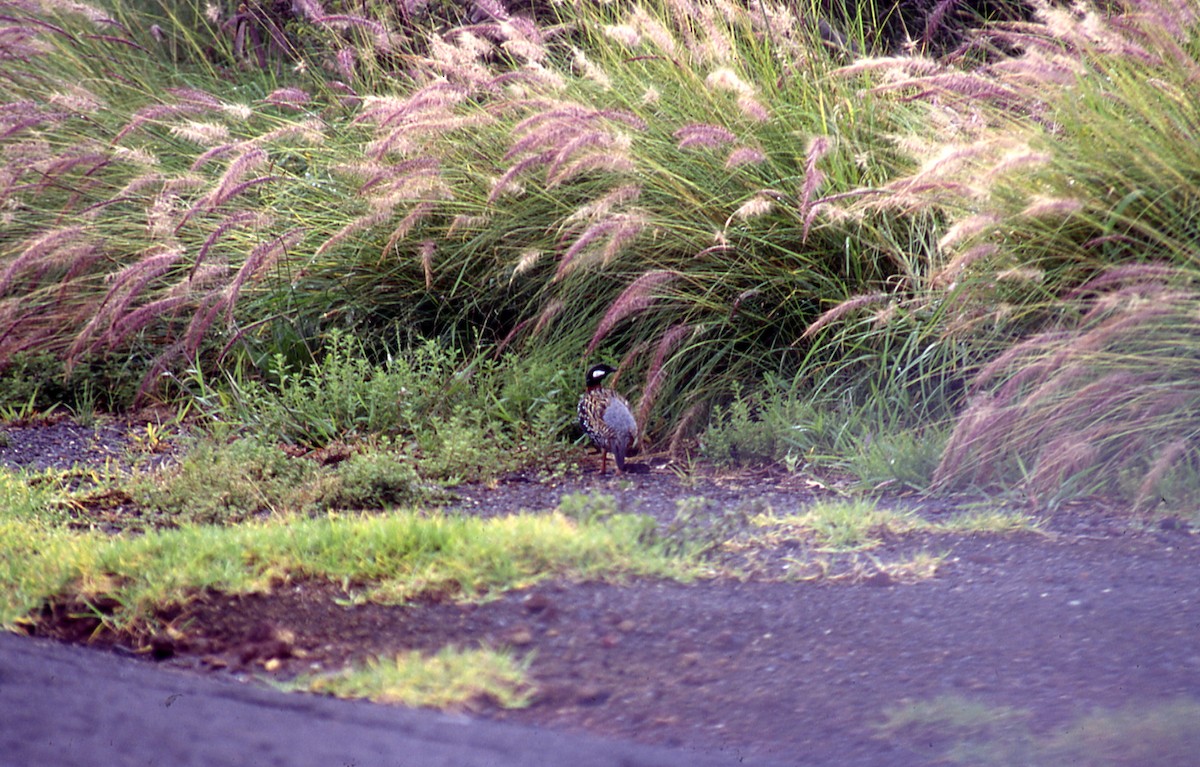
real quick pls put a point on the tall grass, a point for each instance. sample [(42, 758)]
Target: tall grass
[(641, 187), (143, 197), (1069, 170), (654, 188), (709, 194)]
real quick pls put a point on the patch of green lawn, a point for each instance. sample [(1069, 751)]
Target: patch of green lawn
[(387, 558), (450, 679)]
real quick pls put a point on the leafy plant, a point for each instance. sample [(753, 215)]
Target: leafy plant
[(456, 419), (375, 479), (222, 484)]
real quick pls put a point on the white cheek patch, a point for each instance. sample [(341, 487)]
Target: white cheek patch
[(597, 374)]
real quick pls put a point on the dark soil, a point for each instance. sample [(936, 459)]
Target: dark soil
[(1099, 612)]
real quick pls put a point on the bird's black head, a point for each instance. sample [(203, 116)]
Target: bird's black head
[(597, 373)]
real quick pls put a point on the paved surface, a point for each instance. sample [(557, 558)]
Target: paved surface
[(62, 706)]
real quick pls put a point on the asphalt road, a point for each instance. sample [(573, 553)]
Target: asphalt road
[(62, 706)]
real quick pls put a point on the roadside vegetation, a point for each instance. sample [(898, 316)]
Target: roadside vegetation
[(969, 732), (366, 254), (388, 558), (448, 680), (961, 261)]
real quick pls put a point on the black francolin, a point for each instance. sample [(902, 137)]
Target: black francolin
[(605, 416)]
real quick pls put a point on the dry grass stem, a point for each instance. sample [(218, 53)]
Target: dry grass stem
[(637, 297), (1168, 458), (703, 135), (845, 307), (656, 373), (744, 155)]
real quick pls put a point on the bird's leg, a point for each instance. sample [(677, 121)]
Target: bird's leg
[(603, 460)]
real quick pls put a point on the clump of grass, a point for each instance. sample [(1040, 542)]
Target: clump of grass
[(990, 520), (36, 563), (742, 433), (375, 479), (879, 440), (391, 559), (30, 501), (449, 679), (1106, 405), (845, 525), (1042, 245), (226, 484), (37, 381), (252, 477), (37, 553), (976, 733)]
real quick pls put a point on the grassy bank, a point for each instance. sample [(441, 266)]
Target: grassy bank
[(827, 254)]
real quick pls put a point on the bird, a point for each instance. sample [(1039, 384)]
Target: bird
[(605, 416)]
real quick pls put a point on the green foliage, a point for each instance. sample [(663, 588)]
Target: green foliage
[(774, 423), (736, 436), (449, 679), (872, 441), (35, 550), (28, 501), (40, 382), (455, 419), (900, 459), (35, 562), (392, 558), (247, 478), (376, 479), (226, 483), (342, 396), (975, 733)]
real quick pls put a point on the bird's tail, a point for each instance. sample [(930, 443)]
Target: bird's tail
[(619, 451)]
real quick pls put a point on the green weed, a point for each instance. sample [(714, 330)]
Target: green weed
[(375, 479), (449, 679), (224, 484), (975, 733), (456, 419), (391, 559)]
